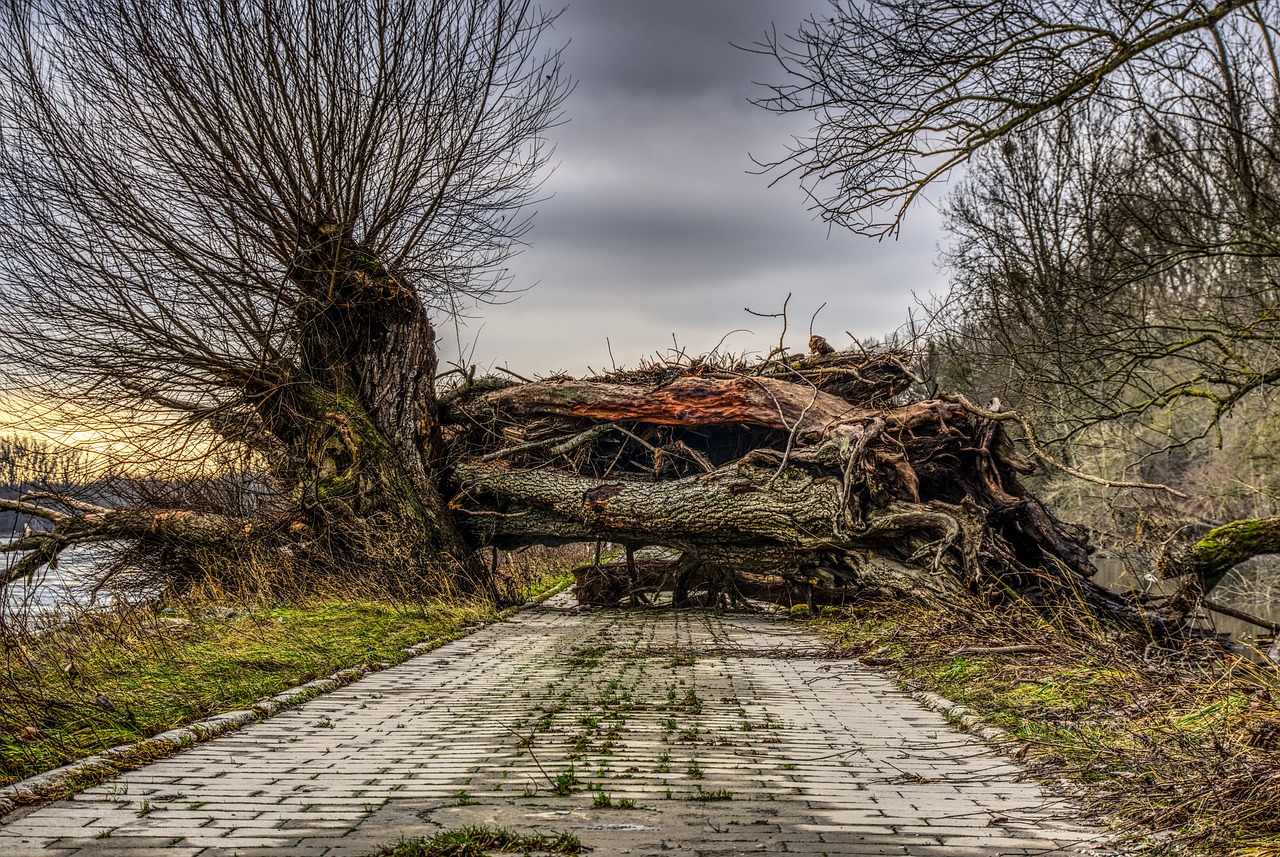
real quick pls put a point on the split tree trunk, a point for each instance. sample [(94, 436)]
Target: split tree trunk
[(790, 480)]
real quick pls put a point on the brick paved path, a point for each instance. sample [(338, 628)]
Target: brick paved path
[(668, 710)]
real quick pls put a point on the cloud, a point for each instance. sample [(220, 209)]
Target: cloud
[(656, 223)]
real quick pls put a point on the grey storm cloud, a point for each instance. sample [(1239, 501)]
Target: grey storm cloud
[(657, 223), (667, 48)]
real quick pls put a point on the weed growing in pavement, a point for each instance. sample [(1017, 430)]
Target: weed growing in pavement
[(707, 796), (564, 783), (479, 841)]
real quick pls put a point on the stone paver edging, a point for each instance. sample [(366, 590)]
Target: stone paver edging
[(963, 718), (91, 770)]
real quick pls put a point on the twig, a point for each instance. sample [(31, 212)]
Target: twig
[(791, 437), (814, 317), (1041, 453), (1273, 627), (560, 448), (999, 650), (781, 349), (516, 376), (528, 745), (637, 438)]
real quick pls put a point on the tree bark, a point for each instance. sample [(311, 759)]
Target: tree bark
[(1207, 560), (362, 431)]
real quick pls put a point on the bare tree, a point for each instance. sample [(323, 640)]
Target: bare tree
[(230, 223), (905, 91)]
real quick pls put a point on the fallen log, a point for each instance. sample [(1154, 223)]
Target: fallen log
[(777, 488)]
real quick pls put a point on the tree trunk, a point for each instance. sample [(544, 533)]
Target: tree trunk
[(763, 484), (364, 447), (349, 434)]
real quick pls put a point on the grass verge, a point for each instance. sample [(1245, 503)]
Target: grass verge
[(1181, 751), (121, 676)]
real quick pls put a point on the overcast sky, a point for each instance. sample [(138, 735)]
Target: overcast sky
[(656, 225)]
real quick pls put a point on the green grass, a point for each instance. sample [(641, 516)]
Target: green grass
[(1190, 747), (703, 796), (142, 672), (480, 841), (565, 782)]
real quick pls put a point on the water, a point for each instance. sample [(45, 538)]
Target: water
[(1252, 587), (54, 595)]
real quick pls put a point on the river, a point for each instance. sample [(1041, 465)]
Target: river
[(1252, 587), (55, 594)]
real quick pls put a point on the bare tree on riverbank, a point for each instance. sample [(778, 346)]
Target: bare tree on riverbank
[(230, 224)]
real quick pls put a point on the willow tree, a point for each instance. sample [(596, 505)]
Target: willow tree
[(228, 225)]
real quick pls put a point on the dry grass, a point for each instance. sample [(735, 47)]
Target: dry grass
[(1180, 748)]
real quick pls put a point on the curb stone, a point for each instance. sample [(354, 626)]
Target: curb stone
[(966, 720), (962, 717), (91, 770)]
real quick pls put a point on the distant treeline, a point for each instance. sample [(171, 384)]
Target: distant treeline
[(30, 464)]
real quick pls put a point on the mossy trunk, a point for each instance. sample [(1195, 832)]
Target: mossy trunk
[(364, 451), (1207, 561)]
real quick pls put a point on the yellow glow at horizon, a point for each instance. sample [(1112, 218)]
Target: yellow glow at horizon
[(120, 440)]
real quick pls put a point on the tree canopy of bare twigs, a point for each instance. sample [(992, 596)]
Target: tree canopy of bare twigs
[(1114, 255), (905, 91), (235, 219)]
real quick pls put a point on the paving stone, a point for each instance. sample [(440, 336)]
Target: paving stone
[(805, 756)]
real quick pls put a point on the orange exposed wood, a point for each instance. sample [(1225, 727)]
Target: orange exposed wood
[(689, 401), (698, 401)]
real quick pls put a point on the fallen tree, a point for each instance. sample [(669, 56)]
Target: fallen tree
[(793, 480), (796, 480)]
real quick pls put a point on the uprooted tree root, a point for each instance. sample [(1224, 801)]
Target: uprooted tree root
[(1181, 748), (788, 479)]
